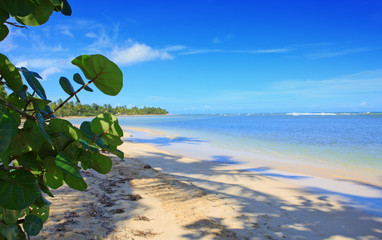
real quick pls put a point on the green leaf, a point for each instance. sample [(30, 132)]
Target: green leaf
[(19, 191), (26, 141), (75, 183), (117, 152), (4, 15), (39, 103), (42, 125), (22, 93), (41, 212), (112, 139), (61, 142), (68, 167), (38, 16), (41, 201), (101, 163), (34, 83), (11, 216), (11, 75), (86, 131), (87, 146), (10, 232), (5, 132), (86, 159), (66, 85), (29, 161), (53, 176), (34, 74), (66, 9), (19, 7), (88, 89), (78, 79), (16, 101), (32, 225), (105, 74), (57, 126), (106, 123), (56, 3), (3, 32)]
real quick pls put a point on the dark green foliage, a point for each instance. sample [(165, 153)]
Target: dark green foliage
[(45, 152), (78, 109)]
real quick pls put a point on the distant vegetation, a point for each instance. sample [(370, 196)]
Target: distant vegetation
[(78, 109)]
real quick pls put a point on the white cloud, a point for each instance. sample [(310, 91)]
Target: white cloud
[(216, 40), (174, 48), (136, 53), (67, 33), (35, 64), (329, 54), (91, 35), (49, 71), (259, 51), (358, 83), (223, 39)]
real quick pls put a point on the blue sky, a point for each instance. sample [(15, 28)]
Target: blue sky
[(217, 56)]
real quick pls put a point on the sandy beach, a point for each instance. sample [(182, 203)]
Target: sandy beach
[(157, 194)]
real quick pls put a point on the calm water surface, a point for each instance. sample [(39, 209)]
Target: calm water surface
[(352, 140)]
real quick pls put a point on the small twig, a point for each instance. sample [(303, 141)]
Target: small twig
[(64, 102), (2, 167), (16, 25), (8, 105)]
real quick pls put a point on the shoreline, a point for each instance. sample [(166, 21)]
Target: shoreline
[(268, 165), (186, 198)]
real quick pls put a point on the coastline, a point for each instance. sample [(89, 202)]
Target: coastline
[(269, 165), (187, 198)]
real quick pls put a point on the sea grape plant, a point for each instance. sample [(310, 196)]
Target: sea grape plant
[(38, 151)]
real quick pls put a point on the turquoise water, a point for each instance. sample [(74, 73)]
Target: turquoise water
[(338, 140)]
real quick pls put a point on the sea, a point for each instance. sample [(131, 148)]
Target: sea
[(346, 141)]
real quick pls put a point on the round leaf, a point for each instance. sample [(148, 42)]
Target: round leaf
[(53, 176), (105, 74), (62, 126), (39, 15), (66, 85), (19, 190), (78, 79), (19, 7), (41, 212), (9, 231), (3, 32), (101, 163), (32, 225), (11, 216), (56, 3), (34, 83), (68, 167), (5, 132), (66, 9), (4, 15), (106, 123), (87, 88), (75, 183), (11, 75)]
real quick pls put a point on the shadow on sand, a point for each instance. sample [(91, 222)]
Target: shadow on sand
[(269, 216)]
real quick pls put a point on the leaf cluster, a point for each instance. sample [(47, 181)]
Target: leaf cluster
[(39, 151)]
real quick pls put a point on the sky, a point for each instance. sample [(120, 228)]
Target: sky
[(217, 56)]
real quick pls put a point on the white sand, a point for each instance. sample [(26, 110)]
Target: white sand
[(185, 198)]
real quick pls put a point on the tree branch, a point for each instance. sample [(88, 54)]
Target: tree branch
[(64, 102), (8, 105)]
